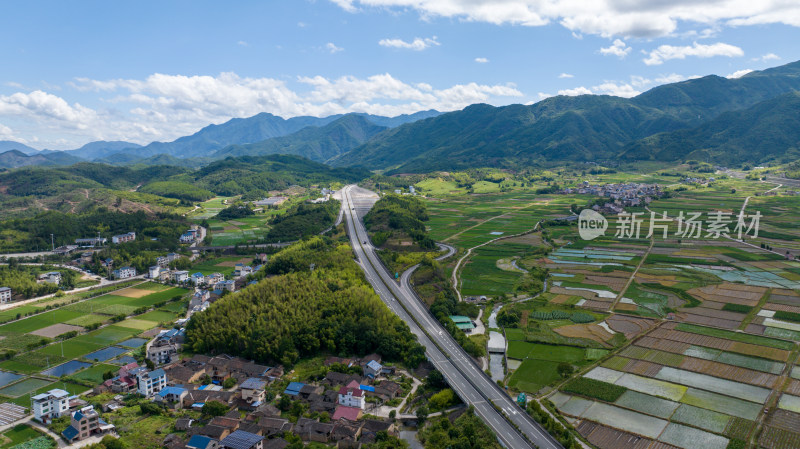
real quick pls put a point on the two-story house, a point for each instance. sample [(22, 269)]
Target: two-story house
[(124, 238), (253, 390), (352, 396), (164, 348)]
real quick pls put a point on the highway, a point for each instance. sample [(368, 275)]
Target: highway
[(471, 384)]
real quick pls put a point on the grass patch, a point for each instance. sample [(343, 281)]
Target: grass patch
[(787, 316), (18, 435), (533, 375), (738, 308), (94, 374), (596, 389)]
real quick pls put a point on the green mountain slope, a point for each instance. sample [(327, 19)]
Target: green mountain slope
[(315, 143), (770, 130), (16, 158), (583, 128)]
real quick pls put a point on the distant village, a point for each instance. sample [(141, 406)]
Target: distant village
[(621, 195)]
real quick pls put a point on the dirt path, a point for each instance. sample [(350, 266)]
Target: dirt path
[(633, 276)]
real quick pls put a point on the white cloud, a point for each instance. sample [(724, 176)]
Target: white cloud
[(739, 73), (618, 48), (767, 57), (566, 75), (481, 60), (418, 44), (164, 107), (640, 18), (331, 47), (242, 43), (667, 52), (618, 90), (575, 91)]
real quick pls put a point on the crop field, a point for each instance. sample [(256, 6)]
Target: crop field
[(211, 208), (224, 265), (82, 356), (481, 274), (532, 375)]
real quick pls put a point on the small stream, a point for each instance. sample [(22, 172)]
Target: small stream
[(410, 436)]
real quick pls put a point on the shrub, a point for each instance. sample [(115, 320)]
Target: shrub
[(738, 308)]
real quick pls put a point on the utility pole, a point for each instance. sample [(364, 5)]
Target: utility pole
[(52, 242)]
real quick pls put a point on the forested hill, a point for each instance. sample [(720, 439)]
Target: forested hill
[(300, 312), (750, 134), (315, 143), (557, 129)]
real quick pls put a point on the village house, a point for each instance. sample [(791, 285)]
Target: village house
[(154, 271), (373, 369), (180, 276), (312, 430), (261, 258), (197, 278), (172, 396), (125, 381), (240, 439), (124, 273), (273, 201), (50, 405), (165, 347), (150, 382), (202, 442), (352, 396), (5, 295), (91, 242), (242, 270), (346, 430), (162, 261), (228, 285), (53, 277), (124, 238), (85, 423), (253, 390), (214, 278)]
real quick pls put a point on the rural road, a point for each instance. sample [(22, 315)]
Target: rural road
[(471, 384)]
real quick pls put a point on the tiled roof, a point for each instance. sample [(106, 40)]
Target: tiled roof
[(70, 433), (241, 440)]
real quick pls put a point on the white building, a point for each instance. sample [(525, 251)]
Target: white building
[(5, 295), (52, 404), (154, 271), (53, 277), (352, 396), (180, 276), (149, 383), (124, 273), (123, 238)]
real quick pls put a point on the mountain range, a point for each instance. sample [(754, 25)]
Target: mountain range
[(751, 119)]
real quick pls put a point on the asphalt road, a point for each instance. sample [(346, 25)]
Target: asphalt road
[(471, 384)]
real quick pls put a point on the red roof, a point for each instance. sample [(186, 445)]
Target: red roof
[(353, 391), (351, 413), (354, 385)]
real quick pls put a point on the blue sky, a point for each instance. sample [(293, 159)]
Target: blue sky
[(74, 72)]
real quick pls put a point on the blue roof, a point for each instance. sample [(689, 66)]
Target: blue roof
[(199, 441), (240, 439), (374, 365), (70, 433), (294, 388), (367, 388), (157, 373), (198, 275), (171, 390), (77, 416)]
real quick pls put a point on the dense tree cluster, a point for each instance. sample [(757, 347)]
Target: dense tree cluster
[(303, 312), (466, 432), (303, 220), (22, 279), (25, 234), (235, 211), (398, 216), (179, 190)]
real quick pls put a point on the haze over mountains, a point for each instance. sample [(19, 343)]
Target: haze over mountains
[(752, 119)]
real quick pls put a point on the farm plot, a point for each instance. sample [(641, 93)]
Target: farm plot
[(7, 378), (24, 387), (105, 354), (722, 404), (647, 404), (705, 419), (55, 330), (533, 375), (690, 438), (66, 369)]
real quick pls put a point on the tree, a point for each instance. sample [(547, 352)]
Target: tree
[(108, 375), (565, 369), (149, 408), (229, 382), (214, 408), (284, 403), (150, 365), (422, 415)]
